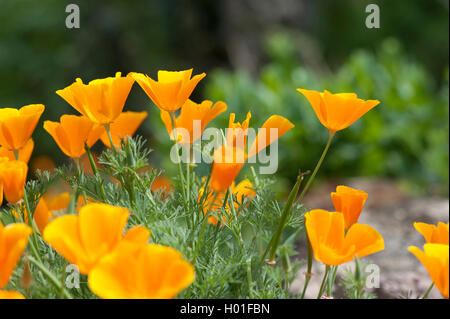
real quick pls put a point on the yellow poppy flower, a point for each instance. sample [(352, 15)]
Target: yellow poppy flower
[(435, 260), (331, 245), (101, 100), (13, 240), (73, 132), (134, 271), (84, 239), (204, 113), (433, 234), (125, 125), (337, 111), (172, 89), (8, 294), (24, 153), (13, 175), (349, 202), (17, 126)]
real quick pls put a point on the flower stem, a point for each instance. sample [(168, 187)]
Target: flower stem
[(324, 282), (425, 296), (275, 240), (331, 280), (316, 169), (308, 273), (180, 169), (32, 224), (77, 163), (308, 184), (50, 276), (95, 171), (108, 132)]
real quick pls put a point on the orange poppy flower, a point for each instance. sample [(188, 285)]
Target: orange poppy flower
[(13, 240), (331, 245), (229, 158), (204, 113), (243, 190), (125, 125), (24, 153), (434, 234), (73, 132), (135, 271), (8, 294), (228, 162), (17, 126), (13, 175), (435, 260), (101, 100), (172, 89), (349, 202), (337, 111), (84, 239)]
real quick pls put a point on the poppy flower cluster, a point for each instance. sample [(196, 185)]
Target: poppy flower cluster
[(335, 237), (119, 260)]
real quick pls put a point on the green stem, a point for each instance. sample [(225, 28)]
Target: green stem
[(108, 131), (50, 276), (425, 296), (275, 240), (232, 227), (324, 282), (316, 169), (308, 273), (249, 278), (77, 163), (308, 184), (32, 224), (331, 280), (180, 170), (95, 171)]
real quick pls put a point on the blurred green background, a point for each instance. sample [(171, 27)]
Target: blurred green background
[(255, 53)]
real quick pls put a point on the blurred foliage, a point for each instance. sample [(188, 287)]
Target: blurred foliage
[(405, 137)]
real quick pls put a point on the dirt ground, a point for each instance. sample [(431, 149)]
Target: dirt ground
[(392, 213)]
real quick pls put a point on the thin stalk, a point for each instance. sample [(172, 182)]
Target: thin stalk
[(233, 211), (108, 131), (180, 170), (95, 171), (308, 184), (30, 215), (77, 163), (324, 282), (316, 169), (331, 280), (51, 277), (425, 296), (275, 241), (308, 273), (188, 183), (249, 278)]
